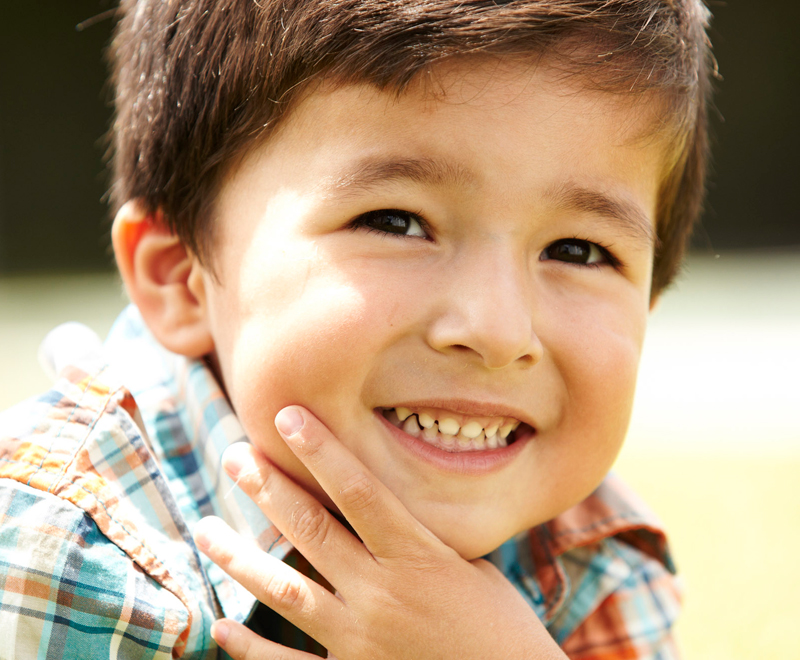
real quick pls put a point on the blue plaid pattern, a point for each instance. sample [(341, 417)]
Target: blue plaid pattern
[(101, 485)]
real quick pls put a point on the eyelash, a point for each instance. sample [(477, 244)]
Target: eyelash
[(605, 251), (362, 222)]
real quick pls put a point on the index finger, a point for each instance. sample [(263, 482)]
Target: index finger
[(380, 519)]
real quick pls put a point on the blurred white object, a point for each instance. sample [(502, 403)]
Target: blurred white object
[(720, 362), (69, 343)]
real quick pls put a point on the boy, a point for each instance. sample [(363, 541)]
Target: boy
[(408, 251)]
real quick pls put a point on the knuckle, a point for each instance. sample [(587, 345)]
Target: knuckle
[(313, 448), (358, 492), (310, 526), (284, 594)]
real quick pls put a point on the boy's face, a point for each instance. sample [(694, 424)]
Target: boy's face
[(481, 254)]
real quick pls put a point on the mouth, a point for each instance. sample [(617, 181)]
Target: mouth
[(456, 433)]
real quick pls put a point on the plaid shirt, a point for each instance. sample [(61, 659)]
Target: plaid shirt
[(101, 485)]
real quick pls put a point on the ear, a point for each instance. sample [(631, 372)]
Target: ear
[(654, 300), (163, 279)]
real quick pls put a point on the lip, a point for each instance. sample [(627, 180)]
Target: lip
[(471, 463), (469, 408)]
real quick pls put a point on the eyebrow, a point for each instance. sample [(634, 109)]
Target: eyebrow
[(372, 172), (622, 213), (375, 171)]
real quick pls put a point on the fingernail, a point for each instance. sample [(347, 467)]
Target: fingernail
[(220, 631), (235, 458), (202, 541), (289, 421)]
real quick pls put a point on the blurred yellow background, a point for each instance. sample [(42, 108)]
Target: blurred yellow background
[(714, 448), (714, 444)]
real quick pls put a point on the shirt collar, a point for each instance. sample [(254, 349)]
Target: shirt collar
[(613, 509), (535, 560), (191, 422)]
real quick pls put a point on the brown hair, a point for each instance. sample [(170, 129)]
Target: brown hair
[(199, 82)]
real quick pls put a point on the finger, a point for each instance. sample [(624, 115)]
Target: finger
[(378, 517), (243, 644), (306, 523), (297, 598)]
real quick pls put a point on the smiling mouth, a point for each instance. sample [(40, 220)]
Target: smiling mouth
[(456, 433)]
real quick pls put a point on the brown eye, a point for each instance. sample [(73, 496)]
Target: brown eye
[(575, 251), (391, 221)]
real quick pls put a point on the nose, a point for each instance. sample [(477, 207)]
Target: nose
[(485, 312)]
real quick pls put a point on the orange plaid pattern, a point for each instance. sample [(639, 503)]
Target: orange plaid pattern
[(101, 484)]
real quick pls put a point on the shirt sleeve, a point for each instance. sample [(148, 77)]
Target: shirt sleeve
[(67, 592), (635, 621)]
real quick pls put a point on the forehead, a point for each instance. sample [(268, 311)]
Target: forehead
[(495, 86), (491, 82), (461, 122)]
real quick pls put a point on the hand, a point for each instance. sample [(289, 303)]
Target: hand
[(400, 592)]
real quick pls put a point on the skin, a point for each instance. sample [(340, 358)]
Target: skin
[(400, 592), (306, 310), (312, 304)]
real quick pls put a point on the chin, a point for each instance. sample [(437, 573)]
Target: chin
[(470, 541), (470, 550)]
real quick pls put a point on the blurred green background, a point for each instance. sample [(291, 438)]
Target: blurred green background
[(714, 444)]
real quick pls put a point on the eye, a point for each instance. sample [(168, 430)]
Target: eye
[(578, 251), (392, 221)]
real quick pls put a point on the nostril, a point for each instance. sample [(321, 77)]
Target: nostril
[(528, 359)]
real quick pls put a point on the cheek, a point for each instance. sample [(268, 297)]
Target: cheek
[(307, 339), (597, 357), (602, 375), (598, 341)]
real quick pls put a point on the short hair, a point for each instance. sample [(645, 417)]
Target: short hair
[(198, 83)]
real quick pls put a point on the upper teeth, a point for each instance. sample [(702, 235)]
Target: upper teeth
[(450, 426), (471, 433), (425, 420)]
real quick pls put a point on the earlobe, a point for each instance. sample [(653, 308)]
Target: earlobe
[(163, 279)]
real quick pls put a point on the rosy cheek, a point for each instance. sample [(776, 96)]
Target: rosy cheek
[(597, 355), (308, 350)]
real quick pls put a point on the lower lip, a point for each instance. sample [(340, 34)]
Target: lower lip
[(466, 462)]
